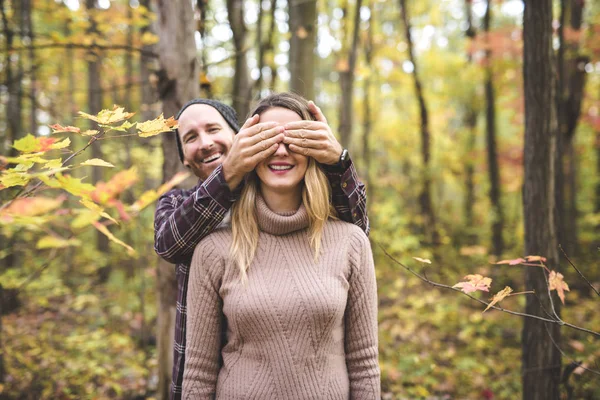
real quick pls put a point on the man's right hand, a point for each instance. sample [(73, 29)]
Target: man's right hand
[(254, 143)]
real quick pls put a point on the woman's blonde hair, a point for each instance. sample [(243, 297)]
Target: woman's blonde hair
[(316, 194)]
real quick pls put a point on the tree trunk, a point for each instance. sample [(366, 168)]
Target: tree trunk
[(28, 33), (493, 167), (347, 83), (541, 359), (95, 106), (241, 92), (178, 84), (470, 121), (13, 83), (303, 28), (368, 119), (425, 201), (571, 82), (205, 84)]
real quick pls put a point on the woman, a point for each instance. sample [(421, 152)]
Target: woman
[(283, 304)]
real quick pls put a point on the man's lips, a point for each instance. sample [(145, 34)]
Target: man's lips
[(211, 158)]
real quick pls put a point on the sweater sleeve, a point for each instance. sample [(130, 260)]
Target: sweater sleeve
[(361, 322), (205, 323)]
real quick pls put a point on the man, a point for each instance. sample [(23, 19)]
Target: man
[(211, 147)]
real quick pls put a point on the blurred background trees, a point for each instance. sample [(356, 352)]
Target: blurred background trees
[(475, 125)]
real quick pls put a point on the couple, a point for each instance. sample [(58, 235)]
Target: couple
[(282, 299)]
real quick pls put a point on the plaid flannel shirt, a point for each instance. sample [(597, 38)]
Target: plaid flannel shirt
[(184, 217)]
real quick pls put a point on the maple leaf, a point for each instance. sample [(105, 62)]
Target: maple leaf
[(499, 297), (556, 282), (97, 162), (90, 132), (474, 283), (32, 206), (51, 242), (57, 128), (121, 181), (535, 258), (516, 261), (156, 126), (107, 117), (112, 237), (423, 260)]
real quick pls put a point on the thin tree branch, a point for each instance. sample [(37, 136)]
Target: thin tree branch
[(440, 285), (578, 271), (565, 355)]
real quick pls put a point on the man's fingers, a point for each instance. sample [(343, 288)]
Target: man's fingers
[(257, 128), (250, 121), (316, 112), (305, 134), (311, 144), (265, 134), (305, 151), (308, 125), (264, 154), (263, 145)]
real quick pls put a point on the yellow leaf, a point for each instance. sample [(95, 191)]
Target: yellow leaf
[(96, 162), (423, 260), (97, 209), (50, 242), (53, 164), (156, 126), (106, 117), (149, 38), (84, 218), (90, 132), (13, 178), (61, 145), (113, 238), (499, 297), (31, 144)]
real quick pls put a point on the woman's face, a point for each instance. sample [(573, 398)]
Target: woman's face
[(284, 170)]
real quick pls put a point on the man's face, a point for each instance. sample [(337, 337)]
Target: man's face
[(205, 137)]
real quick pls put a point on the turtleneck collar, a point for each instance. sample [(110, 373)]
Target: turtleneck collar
[(279, 224)]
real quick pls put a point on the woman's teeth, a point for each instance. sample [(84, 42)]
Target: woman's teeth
[(280, 167), (211, 158)]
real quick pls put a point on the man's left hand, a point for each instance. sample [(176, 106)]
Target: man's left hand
[(313, 138)]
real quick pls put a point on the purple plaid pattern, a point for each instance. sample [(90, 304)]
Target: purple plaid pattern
[(184, 217)]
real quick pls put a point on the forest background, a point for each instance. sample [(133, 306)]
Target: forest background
[(431, 98)]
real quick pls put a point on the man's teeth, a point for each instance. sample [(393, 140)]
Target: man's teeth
[(211, 158), (280, 167)]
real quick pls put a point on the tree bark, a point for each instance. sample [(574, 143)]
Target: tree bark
[(347, 83), (470, 121), (493, 167), (571, 82), (178, 84), (541, 360), (28, 33), (241, 91), (425, 201), (303, 28), (367, 110), (94, 93), (205, 84)]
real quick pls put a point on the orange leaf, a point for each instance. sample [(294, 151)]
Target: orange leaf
[(121, 181), (556, 282), (57, 128), (516, 261), (535, 258), (499, 297), (474, 283), (32, 206)]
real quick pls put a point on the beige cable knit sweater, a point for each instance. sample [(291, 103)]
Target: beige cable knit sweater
[(297, 329)]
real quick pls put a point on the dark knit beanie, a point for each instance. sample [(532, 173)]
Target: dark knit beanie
[(227, 112)]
